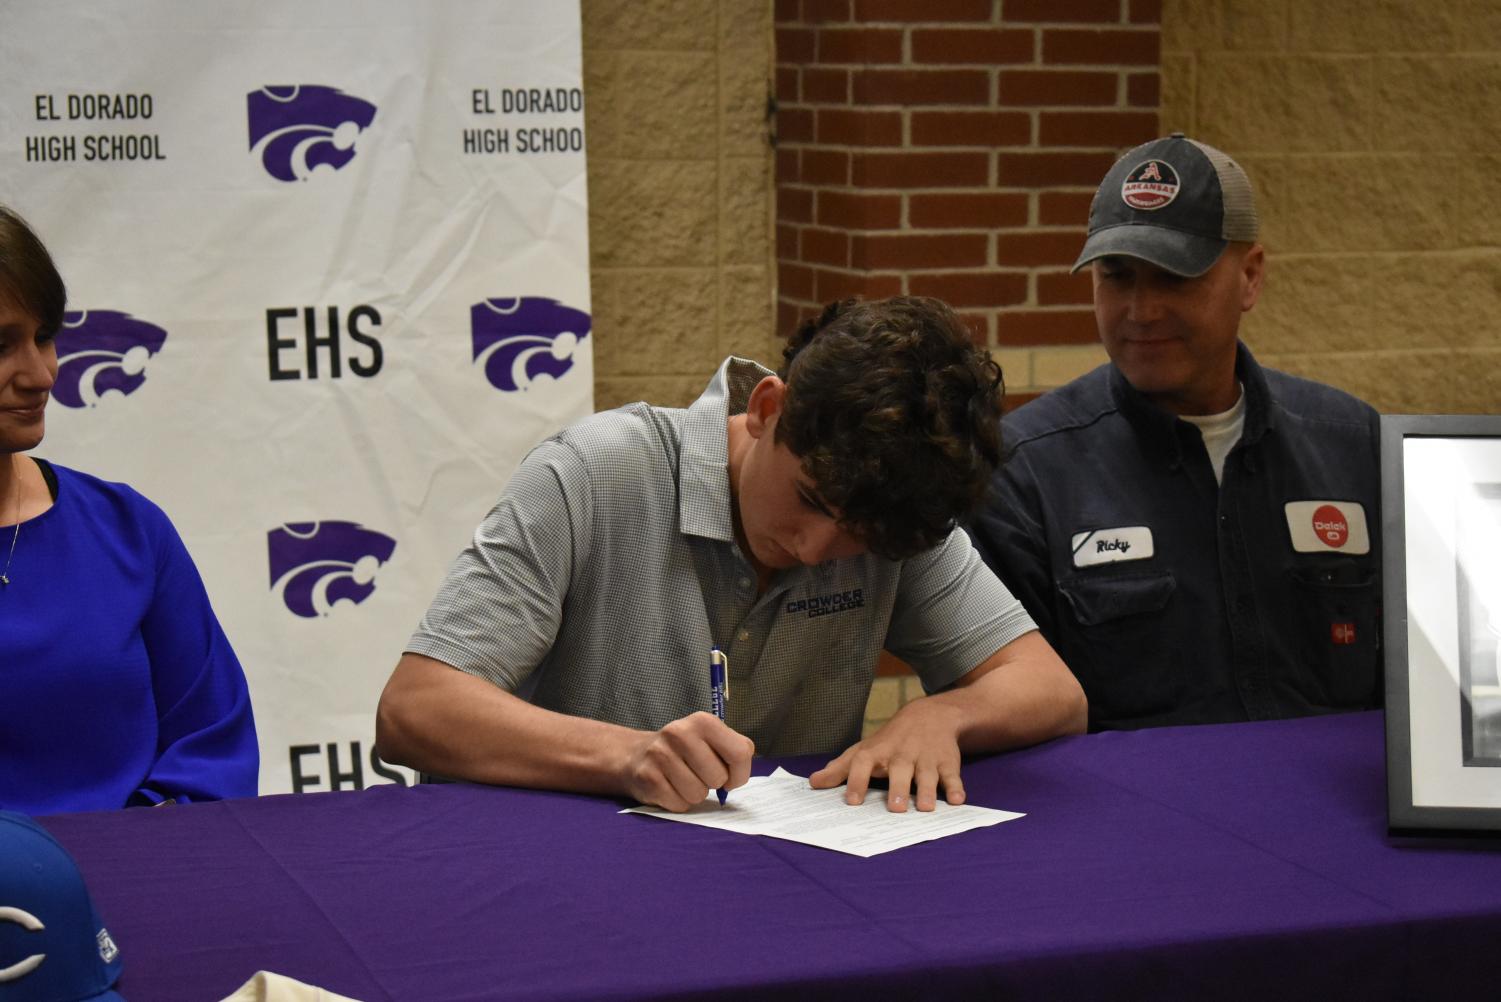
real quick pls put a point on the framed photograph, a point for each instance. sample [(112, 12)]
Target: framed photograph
[(1441, 526)]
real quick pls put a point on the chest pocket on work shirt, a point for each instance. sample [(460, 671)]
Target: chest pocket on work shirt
[(1337, 620), (1125, 662)]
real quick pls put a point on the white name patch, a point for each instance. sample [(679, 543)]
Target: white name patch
[(1106, 546), (1328, 527)]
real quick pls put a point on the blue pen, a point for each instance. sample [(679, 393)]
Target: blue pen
[(719, 687)]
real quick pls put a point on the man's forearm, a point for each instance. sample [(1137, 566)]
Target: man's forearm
[(1020, 697), (437, 719)]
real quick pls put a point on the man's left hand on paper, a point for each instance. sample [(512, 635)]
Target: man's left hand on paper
[(1018, 696), (918, 748)]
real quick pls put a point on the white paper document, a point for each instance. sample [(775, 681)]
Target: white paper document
[(785, 806)]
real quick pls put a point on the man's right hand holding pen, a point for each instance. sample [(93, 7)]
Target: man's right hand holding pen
[(677, 766)]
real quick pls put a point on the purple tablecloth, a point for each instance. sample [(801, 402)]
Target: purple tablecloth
[(1242, 861)]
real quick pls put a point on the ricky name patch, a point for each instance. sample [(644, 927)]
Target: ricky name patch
[(1107, 546), (1328, 527)]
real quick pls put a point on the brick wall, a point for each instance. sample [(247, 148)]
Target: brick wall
[(950, 148), (1372, 135)]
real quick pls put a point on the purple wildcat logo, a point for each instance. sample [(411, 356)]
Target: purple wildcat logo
[(525, 340), (317, 564), (102, 351), (300, 128)]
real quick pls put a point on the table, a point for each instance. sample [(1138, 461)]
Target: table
[(1238, 861)]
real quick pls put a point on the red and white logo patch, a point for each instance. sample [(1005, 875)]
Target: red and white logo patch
[(1330, 524), (1342, 633), (1150, 185)]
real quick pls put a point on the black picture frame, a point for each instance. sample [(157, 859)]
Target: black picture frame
[(1441, 564)]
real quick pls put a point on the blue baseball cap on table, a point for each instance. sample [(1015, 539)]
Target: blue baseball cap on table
[(53, 948)]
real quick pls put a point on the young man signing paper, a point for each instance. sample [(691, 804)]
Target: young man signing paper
[(799, 521)]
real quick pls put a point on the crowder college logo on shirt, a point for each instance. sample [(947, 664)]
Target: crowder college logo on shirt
[(317, 564), (299, 128), (525, 340), (823, 605), (1328, 527), (102, 351), (1150, 186)]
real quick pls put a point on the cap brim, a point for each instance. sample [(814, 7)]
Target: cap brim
[(1172, 250)]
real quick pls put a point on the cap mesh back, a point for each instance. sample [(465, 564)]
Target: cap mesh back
[(1240, 205)]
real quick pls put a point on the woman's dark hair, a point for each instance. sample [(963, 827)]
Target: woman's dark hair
[(895, 414), (28, 278)]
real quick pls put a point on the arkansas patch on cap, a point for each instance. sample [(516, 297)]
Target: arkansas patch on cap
[(1328, 527), (1150, 185)]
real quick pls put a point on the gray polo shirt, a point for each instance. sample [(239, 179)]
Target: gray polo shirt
[(607, 569)]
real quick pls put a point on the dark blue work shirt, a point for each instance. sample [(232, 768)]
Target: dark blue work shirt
[(1176, 600)]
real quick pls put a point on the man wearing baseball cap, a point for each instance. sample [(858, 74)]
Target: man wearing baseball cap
[(1197, 536)]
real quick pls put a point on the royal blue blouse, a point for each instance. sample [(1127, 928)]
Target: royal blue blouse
[(117, 685)]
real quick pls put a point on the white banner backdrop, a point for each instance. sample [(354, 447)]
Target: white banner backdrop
[(328, 268)]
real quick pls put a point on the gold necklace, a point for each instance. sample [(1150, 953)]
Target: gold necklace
[(5, 574)]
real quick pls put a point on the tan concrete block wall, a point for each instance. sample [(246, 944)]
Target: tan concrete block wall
[(680, 196), (1372, 133)]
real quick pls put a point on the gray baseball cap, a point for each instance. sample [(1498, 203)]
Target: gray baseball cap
[(1174, 202)]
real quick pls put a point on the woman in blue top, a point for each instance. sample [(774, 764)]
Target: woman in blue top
[(117, 686)]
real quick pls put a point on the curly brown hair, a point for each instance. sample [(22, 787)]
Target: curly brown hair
[(28, 277), (895, 414)]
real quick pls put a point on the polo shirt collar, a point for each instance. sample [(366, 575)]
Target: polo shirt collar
[(1166, 434), (705, 507)]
